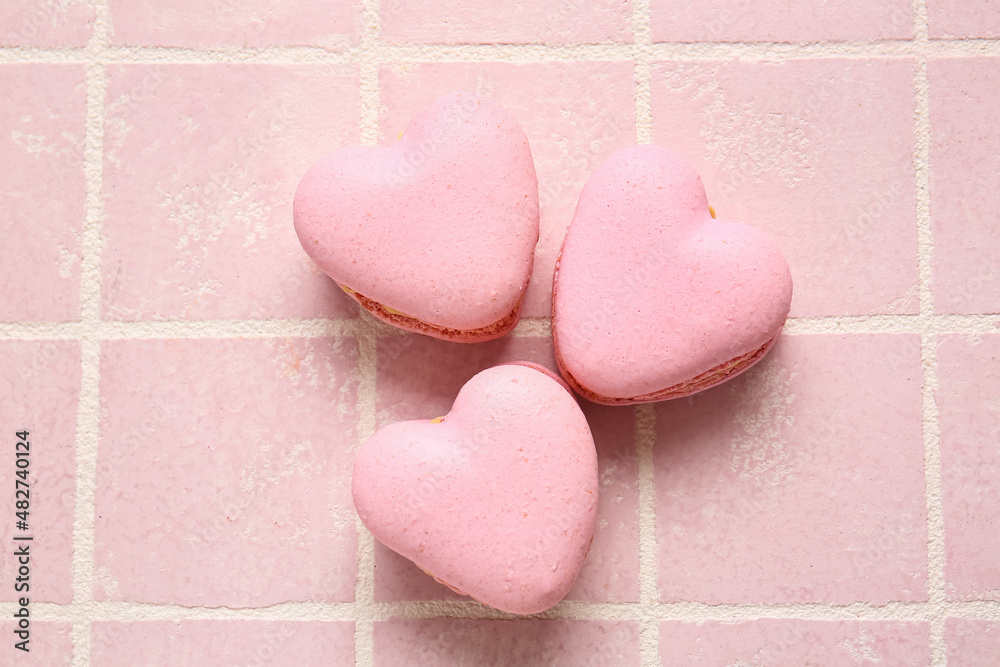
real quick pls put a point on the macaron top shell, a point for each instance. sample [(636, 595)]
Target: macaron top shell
[(650, 291), (441, 227), (498, 499)]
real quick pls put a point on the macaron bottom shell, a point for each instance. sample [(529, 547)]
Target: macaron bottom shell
[(408, 323)]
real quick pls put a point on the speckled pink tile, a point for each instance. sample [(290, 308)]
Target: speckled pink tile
[(779, 21), (261, 23), (963, 18), (972, 642), (210, 643), (224, 469), (505, 21), (40, 393), (49, 645), (794, 642), (818, 153), (41, 190), (201, 163), (800, 481), (574, 114), (46, 23), (419, 377), (968, 399), (965, 112), (446, 642)]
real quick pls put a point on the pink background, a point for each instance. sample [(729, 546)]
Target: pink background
[(196, 389)]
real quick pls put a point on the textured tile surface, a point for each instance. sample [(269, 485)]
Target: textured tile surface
[(817, 152), (223, 473), (968, 398), (506, 21), (951, 19), (201, 162), (590, 114), (794, 642), (965, 112), (41, 190), (448, 642), (210, 643), (45, 376), (46, 23), (777, 21), (787, 484), (49, 645), (972, 643), (190, 23)]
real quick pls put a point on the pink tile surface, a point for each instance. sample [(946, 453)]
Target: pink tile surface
[(818, 153), (191, 23), (49, 645), (972, 643), (223, 472), (799, 481), (779, 21), (589, 114), (203, 643), (965, 112), (46, 23), (419, 377), (201, 162), (969, 417), (45, 378), (446, 642), (952, 19), (793, 642), (41, 190), (505, 21)]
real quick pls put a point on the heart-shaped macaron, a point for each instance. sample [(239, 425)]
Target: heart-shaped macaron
[(497, 499), (653, 298), (435, 234)]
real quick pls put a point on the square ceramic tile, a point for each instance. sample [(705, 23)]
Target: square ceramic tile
[(506, 21), (49, 644), (447, 642), (794, 642), (229, 460), (46, 23), (574, 114), (41, 190), (419, 377), (965, 112), (968, 399), (40, 390), (215, 23), (972, 642), (779, 21), (951, 19), (816, 152), (201, 163), (801, 480), (200, 643)]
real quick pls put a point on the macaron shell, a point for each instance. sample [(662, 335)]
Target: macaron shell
[(441, 227), (498, 500), (651, 292)]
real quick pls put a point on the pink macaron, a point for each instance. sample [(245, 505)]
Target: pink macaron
[(653, 298), (497, 499), (435, 234)]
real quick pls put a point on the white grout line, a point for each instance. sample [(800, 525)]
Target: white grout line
[(570, 52), (645, 440), (88, 419), (367, 336), (931, 434), (526, 328)]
